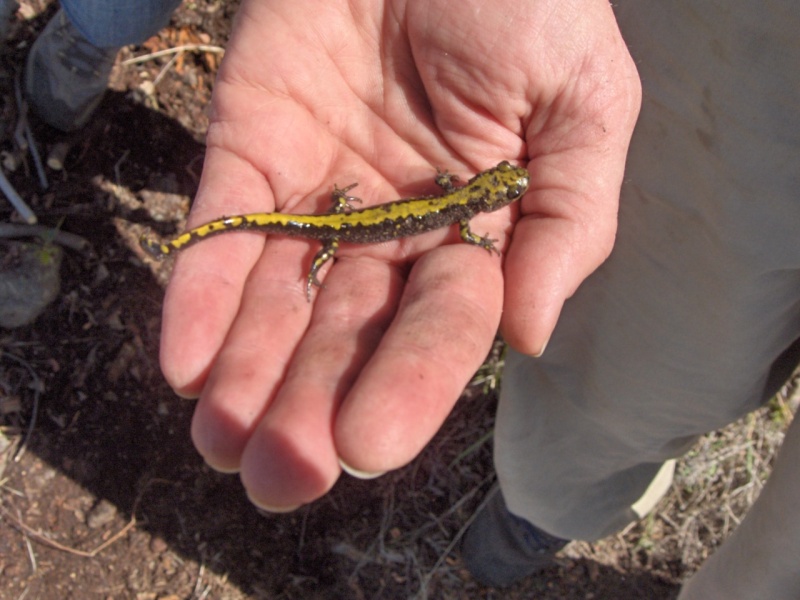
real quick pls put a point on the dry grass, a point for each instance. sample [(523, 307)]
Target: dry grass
[(721, 477)]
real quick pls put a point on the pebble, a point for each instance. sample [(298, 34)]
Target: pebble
[(158, 545), (101, 514), (29, 282)]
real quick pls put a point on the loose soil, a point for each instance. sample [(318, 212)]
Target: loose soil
[(108, 499)]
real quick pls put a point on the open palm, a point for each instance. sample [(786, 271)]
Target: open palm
[(313, 94)]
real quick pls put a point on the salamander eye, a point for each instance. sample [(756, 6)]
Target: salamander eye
[(514, 192)]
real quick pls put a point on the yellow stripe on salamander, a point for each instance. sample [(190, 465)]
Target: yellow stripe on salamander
[(488, 191)]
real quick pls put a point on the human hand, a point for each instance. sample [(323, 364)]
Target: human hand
[(311, 94)]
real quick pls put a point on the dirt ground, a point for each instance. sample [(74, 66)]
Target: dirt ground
[(107, 499)]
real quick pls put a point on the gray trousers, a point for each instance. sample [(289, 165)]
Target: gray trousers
[(692, 322)]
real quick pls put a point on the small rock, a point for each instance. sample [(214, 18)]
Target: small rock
[(158, 545), (29, 281), (148, 88), (101, 514)]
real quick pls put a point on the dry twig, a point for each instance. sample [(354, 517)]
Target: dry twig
[(176, 50), (20, 526)]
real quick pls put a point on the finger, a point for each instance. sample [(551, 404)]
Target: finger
[(207, 282), (271, 320), (442, 332), (290, 458)]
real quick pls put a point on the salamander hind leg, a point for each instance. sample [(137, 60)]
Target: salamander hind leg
[(470, 237), (160, 250), (325, 254), (154, 248)]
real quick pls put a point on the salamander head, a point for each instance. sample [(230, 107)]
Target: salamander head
[(504, 183)]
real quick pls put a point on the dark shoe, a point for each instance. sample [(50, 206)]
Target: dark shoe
[(499, 548), (66, 76)]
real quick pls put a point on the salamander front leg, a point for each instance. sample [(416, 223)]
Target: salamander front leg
[(342, 203), (325, 254), (446, 180), (470, 237)]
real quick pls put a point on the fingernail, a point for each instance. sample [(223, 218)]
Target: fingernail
[(358, 474), (273, 509), (544, 347), (223, 470)]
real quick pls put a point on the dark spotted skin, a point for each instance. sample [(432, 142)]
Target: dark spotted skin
[(486, 192)]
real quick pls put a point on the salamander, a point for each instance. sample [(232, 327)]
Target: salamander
[(487, 191)]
